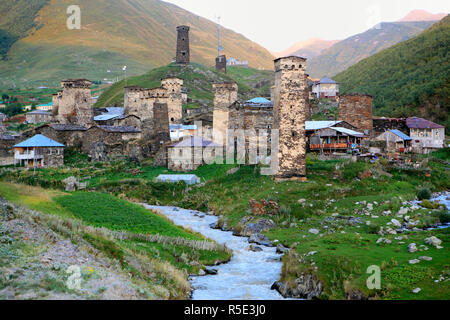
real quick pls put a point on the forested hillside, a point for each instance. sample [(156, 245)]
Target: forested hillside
[(410, 78)]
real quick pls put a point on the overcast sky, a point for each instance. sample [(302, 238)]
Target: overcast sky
[(277, 24)]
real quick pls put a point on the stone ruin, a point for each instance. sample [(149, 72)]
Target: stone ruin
[(290, 112), (140, 102), (73, 104)]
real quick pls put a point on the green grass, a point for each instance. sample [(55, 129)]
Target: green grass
[(197, 79), (104, 210)]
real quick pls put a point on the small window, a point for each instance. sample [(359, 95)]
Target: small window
[(172, 119), (294, 134)]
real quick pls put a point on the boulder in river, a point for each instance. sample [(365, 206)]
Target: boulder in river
[(258, 227), (260, 239)]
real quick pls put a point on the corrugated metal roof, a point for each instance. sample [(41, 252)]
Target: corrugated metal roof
[(106, 117), (115, 110), (400, 134), (419, 123), (38, 140), (318, 125), (195, 142), (349, 132)]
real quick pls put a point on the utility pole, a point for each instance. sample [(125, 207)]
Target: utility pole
[(218, 36)]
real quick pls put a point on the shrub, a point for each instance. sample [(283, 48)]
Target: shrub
[(424, 194)]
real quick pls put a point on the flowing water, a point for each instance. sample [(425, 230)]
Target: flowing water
[(248, 276)]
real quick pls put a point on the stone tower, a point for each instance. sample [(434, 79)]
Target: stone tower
[(183, 52), (174, 87), (225, 95), (221, 64), (290, 111), (356, 109), (73, 105)]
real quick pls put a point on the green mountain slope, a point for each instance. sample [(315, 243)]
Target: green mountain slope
[(356, 48), (410, 78), (197, 80), (138, 33)]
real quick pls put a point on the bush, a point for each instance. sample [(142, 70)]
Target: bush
[(424, 194)]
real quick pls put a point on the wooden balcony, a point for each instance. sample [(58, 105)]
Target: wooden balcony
[(329, 146)]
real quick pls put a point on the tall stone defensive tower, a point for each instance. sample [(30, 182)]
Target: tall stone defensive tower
[(290, 111), (73, 103), (221, 64), (183, 51), (174, 98), (356, 109), (225, 95)]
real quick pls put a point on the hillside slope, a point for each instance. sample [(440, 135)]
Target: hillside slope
[(197, 80), (412, 77), (358, 47), (138, 33)]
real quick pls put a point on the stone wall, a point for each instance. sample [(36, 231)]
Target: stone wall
[(38, 117), (53, 157), (183, 55), (73, 104), (6, 150), (356, 109), (139, 102), (161, 125), (290, 112), (225, 95), (221, 64), (383, 124)]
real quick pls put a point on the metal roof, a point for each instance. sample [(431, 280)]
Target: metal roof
[(40, 112), (182, 127), (326, 80), (115, 110), (259, 100), (318, 125), (195, 142), (419, 123), (38, 141), (400, 134), (349, 132), (106, 116), (188, 178)]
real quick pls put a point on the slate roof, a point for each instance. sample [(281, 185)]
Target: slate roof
[(38, 140), (7, 137), (419, 123), (120, 129), (67, 127), (195, 142), (401, 135)]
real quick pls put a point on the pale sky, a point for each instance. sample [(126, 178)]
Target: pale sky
[(278, 24)]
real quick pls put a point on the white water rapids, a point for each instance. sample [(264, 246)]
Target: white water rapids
[(248, 276)]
